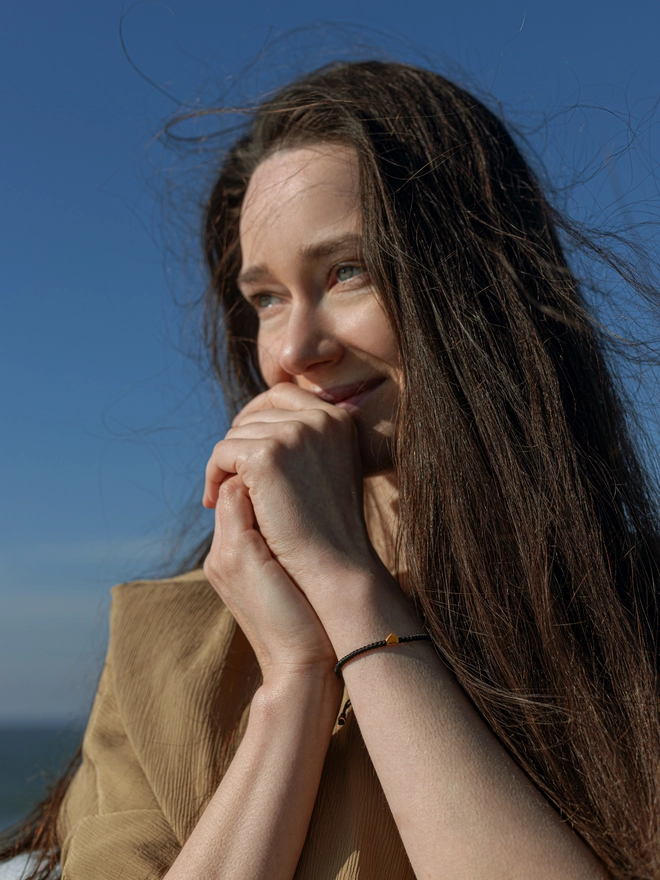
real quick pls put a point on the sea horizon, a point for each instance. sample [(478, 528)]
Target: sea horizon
[(33, 753)]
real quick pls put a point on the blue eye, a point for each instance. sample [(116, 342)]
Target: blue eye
[(264, 301), (345, 273)]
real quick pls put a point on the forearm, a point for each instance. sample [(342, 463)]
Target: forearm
[(463, 807), (256, 823)]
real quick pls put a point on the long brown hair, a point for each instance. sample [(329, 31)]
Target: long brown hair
[(529, 537)]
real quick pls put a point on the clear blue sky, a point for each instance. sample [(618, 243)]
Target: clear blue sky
[(105, 428)]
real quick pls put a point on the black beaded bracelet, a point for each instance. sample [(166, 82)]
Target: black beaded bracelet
[(392, 639)]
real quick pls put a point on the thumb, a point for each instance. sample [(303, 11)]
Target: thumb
[(234, 513)]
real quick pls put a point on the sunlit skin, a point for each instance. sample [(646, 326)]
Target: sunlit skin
[(321, 326), (325, 346), (293, 561), (295, 458)]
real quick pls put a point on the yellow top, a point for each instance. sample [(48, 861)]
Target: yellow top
[(170, 711)]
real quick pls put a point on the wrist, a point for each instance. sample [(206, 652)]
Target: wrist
[(298, 692), (363, 606)]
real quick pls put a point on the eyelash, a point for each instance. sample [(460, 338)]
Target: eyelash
[(254, 300), (349, 266)]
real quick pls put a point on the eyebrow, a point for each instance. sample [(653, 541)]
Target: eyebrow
[(309, 253)]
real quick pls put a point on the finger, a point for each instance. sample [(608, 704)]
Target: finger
[(271, 416), (285, 395), (233, 485), (224, 462), (214, 477), (234, 511), (285, 428), (264, 415), (236, 533)]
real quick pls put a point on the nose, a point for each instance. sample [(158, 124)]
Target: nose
[(307, 341)]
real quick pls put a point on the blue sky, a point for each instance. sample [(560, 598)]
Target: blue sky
[(105, 422)]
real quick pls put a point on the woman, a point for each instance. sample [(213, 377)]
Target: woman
[(427, 443)]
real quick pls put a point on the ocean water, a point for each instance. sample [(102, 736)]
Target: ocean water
[(31, 757)]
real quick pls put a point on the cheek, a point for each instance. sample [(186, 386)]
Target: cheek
[(363, 325), (268, 363), (377, 338)]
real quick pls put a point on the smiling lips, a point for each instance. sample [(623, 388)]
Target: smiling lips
[(350, 397)]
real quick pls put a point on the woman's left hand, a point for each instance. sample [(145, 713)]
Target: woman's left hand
[(298, 457)]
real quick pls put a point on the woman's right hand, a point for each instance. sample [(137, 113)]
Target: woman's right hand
[(256, 822), (276, 617)]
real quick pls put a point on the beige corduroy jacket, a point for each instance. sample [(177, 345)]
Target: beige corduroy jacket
[(178, 679)]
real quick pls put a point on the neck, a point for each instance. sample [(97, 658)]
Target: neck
[(381, 512)]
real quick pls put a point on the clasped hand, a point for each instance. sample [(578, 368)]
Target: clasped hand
[(286, 485)]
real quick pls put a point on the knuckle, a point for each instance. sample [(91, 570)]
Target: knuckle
[(226, 489), (293, 430), (323, 419), (271, 448), (227, 493), (342, 416), (290, 436), (344, 423)]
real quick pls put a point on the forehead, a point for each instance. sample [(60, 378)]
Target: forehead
[(304, 192)]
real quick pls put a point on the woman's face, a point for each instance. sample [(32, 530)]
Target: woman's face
[(320, 323)]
